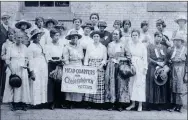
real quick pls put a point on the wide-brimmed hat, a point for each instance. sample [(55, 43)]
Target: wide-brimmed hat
[(88, 24), (55, 22), (96, 32), (21, 22), (102, 23), (5, 15), (179, 37), (35, 32), (161, 76), (73, 33), (15, 81), (180, 17), (59, 25)]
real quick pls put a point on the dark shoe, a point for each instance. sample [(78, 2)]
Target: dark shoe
[(110, 109), (120, 109), (52, 107), (89, 107), (24, 108)]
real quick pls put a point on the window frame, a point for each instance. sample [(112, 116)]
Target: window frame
[(54, 8)]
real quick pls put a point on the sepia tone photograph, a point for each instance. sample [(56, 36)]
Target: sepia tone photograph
[(93, 60)]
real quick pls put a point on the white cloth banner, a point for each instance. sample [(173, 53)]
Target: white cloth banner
[(79, 79)]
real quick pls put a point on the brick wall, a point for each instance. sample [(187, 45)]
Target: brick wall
[(109, 11)]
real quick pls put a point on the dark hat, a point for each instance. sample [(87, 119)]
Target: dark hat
[(161, 76), (21, 22), (73, 33), (15, 81), (88, 24), (160, 21), (102, 24), (55, 22), (144, 23), (35, 32), (5, 16), (96, 32)]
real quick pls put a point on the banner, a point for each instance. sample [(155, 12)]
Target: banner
[(79, 79)]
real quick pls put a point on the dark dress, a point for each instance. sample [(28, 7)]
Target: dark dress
[(154, 93), (3, 38)]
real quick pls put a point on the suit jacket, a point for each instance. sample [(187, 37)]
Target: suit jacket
[(3, 36)]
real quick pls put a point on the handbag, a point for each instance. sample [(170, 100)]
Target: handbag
[(127, 70), (15, 81)]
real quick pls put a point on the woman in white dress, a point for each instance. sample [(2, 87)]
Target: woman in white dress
[(16, 60), (39, 70), (139, 60)]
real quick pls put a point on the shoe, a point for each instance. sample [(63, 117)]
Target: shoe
[(171, 110), (120, 109), (24, 108), (139, 109), (52, 107), (130, 107), (89, 107), (110, 109)]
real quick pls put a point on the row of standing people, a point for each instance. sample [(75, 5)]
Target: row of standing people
[(95, 55)]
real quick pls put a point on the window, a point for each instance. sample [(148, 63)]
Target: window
[(167, 6), (46, 3)]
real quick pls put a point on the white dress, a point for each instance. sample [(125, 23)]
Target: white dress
[(146, 38), (17, 57), (139, 60), (38, 64)]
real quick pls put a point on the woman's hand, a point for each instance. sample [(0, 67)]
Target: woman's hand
[(160, 64), (33, 76)]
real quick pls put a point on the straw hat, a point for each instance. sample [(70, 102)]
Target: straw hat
[(161, 76), (72, 34), (180, 17), (21, 22), (179, 37), (5, 15), (35, 32)]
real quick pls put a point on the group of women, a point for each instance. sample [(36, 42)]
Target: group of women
[(159, 62)]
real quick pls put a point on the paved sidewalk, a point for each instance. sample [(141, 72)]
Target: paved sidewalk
[(83, 114)]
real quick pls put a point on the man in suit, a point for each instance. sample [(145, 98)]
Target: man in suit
[(3, 37)]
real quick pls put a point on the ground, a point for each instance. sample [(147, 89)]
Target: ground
[(83, 114)]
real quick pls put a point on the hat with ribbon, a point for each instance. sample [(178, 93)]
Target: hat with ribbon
[(72, 34)]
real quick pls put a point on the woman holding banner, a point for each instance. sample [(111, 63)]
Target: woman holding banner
[(96, 56), (73, 55)]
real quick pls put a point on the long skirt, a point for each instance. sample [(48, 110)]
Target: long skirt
[(2, 77), (21, 94), (139, 81), (179, 88), (100, 95), (123, 94), (39, 86), (110, 93), (54, 86), (155, 94)]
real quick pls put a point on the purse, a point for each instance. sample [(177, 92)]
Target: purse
[(127, 70)]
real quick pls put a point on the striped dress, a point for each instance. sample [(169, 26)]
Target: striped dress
[(95, 56)]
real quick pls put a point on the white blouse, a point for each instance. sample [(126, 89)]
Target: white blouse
[(7, 45), (85, 41), (95, 52), (54, 50)]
